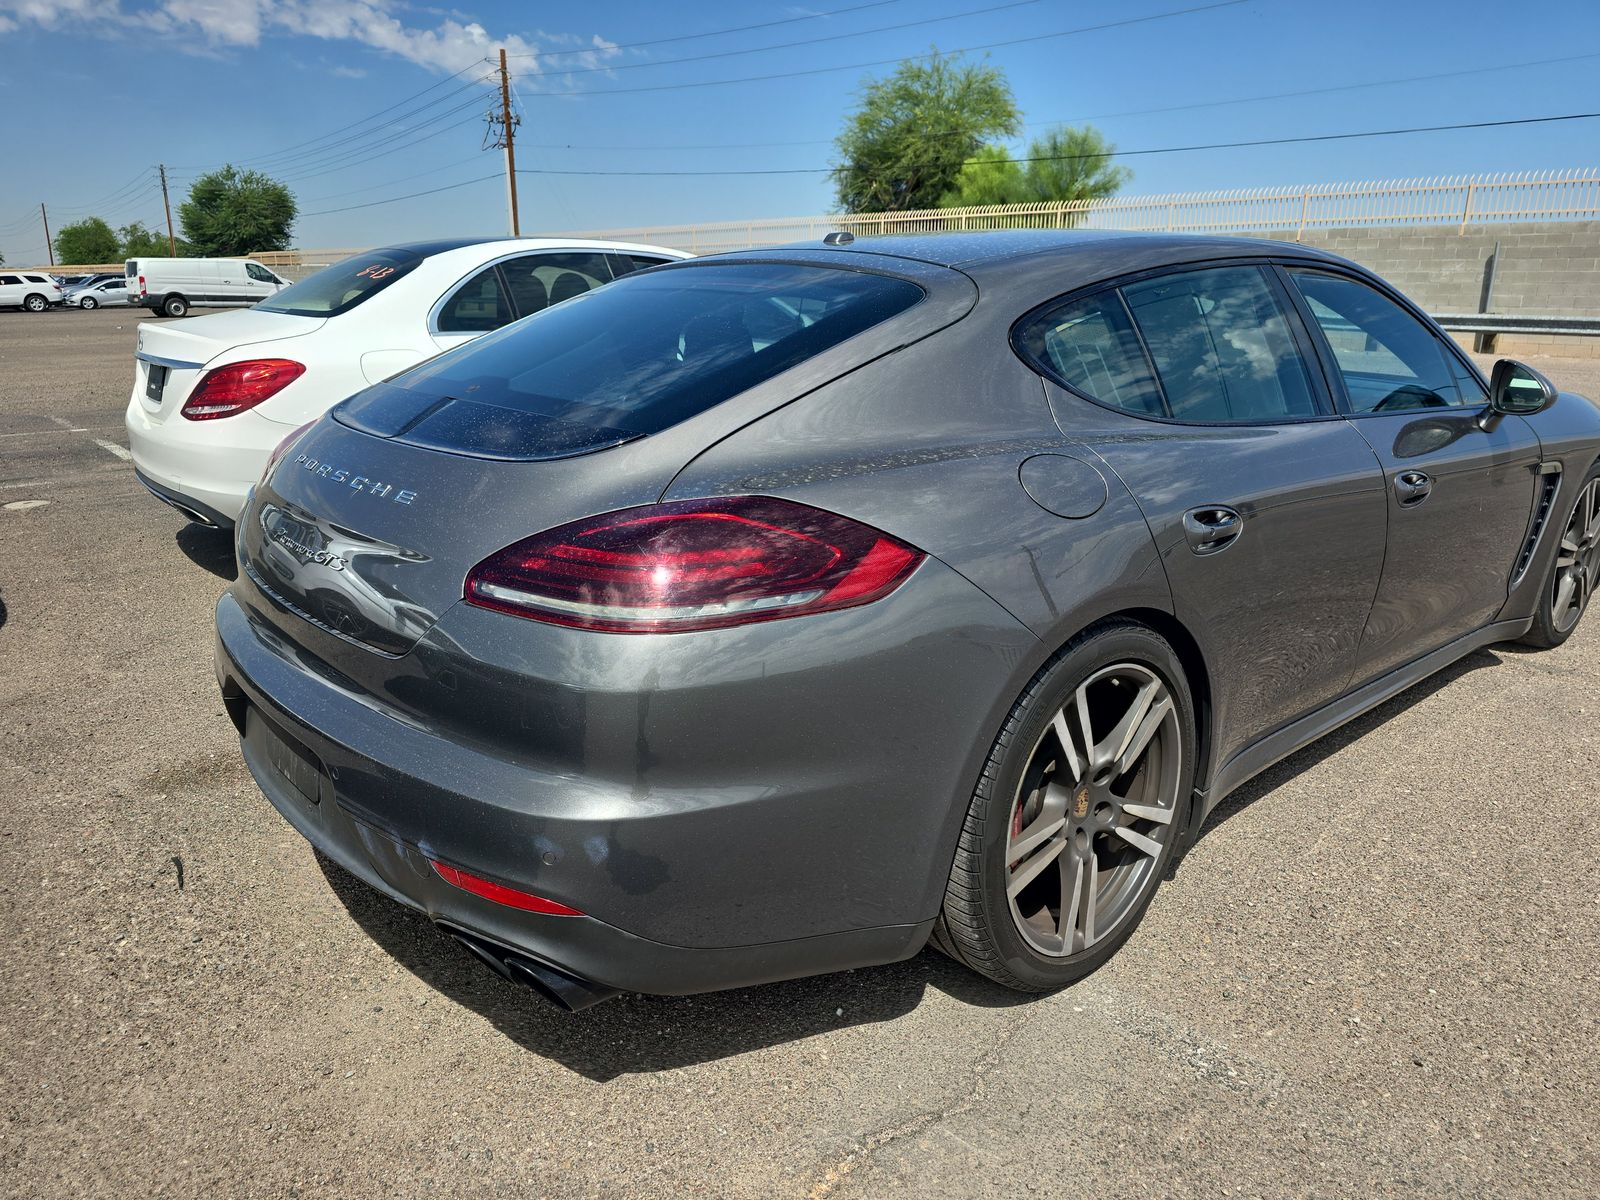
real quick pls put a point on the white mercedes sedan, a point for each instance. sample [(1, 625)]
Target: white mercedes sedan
[(214, 396)]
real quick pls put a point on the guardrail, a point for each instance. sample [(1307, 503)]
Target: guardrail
[(1506, 323)]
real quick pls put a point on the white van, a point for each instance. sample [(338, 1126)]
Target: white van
[(34, 291), (172, 286)]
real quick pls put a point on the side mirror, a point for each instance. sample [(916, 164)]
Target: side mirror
[(1516, 389)]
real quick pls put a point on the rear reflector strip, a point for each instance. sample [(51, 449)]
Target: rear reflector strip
[(499, 893)]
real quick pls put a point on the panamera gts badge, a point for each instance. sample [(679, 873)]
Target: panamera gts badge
[(326, 558), (360, 483)]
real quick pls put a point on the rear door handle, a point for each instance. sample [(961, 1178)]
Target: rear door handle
[(1412, 487), (1212, 528)]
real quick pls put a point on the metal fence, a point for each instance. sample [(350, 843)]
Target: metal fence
[(1460, 200)]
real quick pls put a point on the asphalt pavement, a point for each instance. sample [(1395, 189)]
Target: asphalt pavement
[(1377, 972)]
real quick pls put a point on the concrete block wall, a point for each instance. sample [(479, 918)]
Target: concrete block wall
[(1545, 269)]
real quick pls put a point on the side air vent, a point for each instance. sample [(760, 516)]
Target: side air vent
[(1548, 485)]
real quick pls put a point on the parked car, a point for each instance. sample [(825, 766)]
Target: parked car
[(112, 291), (172, 286), (780, 612), (213, 396), (31, 291)]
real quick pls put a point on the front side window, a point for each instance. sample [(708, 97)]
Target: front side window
[(339, 288), (1222, 346), (540, 280), (1389, 360), (628, 360), (12, 280), (260, 274)]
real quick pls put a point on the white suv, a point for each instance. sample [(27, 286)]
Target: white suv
[(32, 291)]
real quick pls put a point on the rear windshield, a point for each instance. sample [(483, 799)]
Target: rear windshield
[(344, 285), (628, 359)]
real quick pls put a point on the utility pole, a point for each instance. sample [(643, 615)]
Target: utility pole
[(172, 242), (49, 249), (506, 127)]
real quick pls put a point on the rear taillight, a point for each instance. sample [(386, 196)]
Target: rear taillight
[(283, 448), (500, 893), (693, 564), (239, 386), (141, 286)]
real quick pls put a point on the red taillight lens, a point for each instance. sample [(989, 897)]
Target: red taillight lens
[(693, 564), (500, 894), (283, 448), (239, 386)]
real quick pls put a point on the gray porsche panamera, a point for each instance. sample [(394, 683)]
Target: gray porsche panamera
[(781, 612)]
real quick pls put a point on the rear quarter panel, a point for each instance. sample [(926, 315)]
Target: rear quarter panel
[(926, 444)]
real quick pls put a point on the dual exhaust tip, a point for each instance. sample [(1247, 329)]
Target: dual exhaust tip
[(561, 990)]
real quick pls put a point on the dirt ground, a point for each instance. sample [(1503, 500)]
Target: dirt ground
[(1376, 974)]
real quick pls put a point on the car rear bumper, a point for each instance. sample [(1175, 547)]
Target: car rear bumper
[(578, 946), (834, 760), (210, 466)]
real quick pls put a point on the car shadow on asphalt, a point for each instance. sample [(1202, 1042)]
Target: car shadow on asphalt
[(209, 548), (1303, 760), (636, 1033)]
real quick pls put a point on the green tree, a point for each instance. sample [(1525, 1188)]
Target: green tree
[(1070, 163), (905, 145), (140, 241), (237, 212), (991, 176), (87, 241)]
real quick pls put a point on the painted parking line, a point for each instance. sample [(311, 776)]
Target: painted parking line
[(55, 432), (112, 448), (67, 425), (29, 483)]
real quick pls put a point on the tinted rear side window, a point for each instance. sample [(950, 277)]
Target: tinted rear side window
[(339, 288), (627, 360), (478, 306), (1222, 346), (1090, 345)]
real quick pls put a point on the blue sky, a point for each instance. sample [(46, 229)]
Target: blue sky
[(95, 92)]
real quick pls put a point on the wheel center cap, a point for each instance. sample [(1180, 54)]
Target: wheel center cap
[(1080, 803)]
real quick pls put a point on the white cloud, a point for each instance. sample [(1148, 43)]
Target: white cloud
[(455, 43)]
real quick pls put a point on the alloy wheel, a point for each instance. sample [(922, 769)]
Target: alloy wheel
[(1094, 811), (1577, 561)]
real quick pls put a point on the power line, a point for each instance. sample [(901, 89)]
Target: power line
[(882, 62), (382, 151), (143, 177), (449, 187), (397, 104), (372, 187), (1321, 91), (832, 37), (356, 143), (379, 144), (1285, 141), (689, 37), (1347, 87)]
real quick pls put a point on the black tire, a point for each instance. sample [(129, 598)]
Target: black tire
[(88, 302), (976, 925), (1550, 626), (35, 303), (175, 306)]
